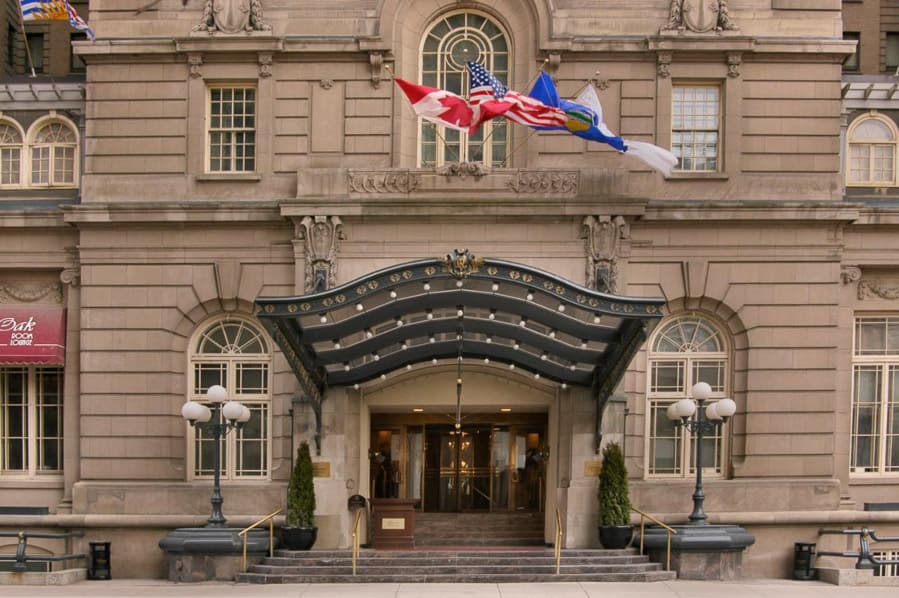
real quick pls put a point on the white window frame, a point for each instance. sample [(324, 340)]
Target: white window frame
[(232, 130), (32, 429), (52, 118), (717, 129), (852, 141), (489, 134), (883, 364), (11, 146), (255, 401), (657, 401)]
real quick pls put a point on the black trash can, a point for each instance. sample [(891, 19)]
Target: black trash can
[(804, 561), (99, 565)]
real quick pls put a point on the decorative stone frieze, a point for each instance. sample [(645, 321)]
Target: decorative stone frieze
[(24, 292), (463, 169), (699, 16), (322, 236), (603, 236), (232, 17), (545, 182), (873, 289), (850, 274), (382, 182)]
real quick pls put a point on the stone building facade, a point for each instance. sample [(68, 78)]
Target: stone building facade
[(224, 158)]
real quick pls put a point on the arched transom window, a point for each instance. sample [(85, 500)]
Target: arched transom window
[(872, 152), (684, 351), (449, 44), (53, 155), (234, 354), (10, 154)]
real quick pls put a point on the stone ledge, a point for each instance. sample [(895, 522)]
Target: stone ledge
[(854, 577), (53, 578)]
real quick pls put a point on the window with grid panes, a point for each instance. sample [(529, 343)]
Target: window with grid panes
[(875, 396), (232, 129), (686, 350), (695, 127), (53, 155), (872, 152), (449, 44), (31, 437), (234, 354), (10, 154)]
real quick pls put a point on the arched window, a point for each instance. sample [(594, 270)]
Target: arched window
[(449, 44), (234, 354), (872, 152), (684, 351), (54, 149), (10, 153)]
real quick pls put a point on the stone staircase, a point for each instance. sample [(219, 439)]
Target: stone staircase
[(470, 565), (479, 529)]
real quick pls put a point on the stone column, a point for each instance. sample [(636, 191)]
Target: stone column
[(71, 278)]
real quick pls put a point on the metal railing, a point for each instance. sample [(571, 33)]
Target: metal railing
[(271, 536), (356, 539), (668, 530), (557, 545), (863, 557), (21, 559)]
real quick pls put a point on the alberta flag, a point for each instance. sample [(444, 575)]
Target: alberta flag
[(54, 10)]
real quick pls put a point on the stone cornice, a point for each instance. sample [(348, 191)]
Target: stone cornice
[(31, 218), (694, 211), (172, 212)]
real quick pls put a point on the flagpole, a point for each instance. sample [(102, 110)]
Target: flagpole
[(25, 38)]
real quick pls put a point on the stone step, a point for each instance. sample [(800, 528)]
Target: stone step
[(457, 569), (460, 561), (646, 576), (456, 553)]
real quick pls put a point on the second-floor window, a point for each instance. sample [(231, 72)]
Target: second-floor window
[(232, 129), (10, 154), (53, 155), (696, 127), (872, 152)]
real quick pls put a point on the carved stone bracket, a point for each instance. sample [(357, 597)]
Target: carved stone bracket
[(195, 61), (326, 83), (553, 62), (603, 237), (663, 64), (850, 274), (734, 62), (699, 16), (265, 64), (376, 61), (870, 289), (232, 17), (382, 182), (463, 169), (545, 182), (322, 236), (23, 292), (71, 276)]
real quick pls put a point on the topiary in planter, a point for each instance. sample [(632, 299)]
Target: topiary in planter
[(300, 531), (614, 502)]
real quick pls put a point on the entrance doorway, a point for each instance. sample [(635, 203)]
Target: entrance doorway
[(484, 466)]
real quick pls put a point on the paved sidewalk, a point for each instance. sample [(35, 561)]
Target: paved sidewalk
[(747, 588)]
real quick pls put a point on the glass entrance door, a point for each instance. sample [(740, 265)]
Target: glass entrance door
[(457, 468)]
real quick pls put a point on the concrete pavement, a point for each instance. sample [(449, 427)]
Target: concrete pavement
[(746, 588)]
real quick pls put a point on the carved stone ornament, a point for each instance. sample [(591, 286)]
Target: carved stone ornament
[(545, 182), (850, 274), (23, 292), (322, 236), (463, 169), (663, 64), (461, 263), (265, 65), (699, 16), (376, 60), (326, 83), (71, 276), (232, 16), (381, 182), (734, 61), (872, 289), (603, 236), (195, 61)]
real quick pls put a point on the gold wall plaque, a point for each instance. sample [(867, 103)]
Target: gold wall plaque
[(591, 468), (322, 469), (393, 523)]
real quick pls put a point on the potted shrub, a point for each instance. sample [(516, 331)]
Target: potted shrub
[(300, 532), (614, 503)]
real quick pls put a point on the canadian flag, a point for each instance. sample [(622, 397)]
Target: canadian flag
[(438, 105)]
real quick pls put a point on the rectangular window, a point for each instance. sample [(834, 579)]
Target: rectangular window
[(76, 64), (10, 46), (232, 129), (31, 408), (875, 396), (851, 62), (892, 52), (10, 165), (695, 127), (36, 51)]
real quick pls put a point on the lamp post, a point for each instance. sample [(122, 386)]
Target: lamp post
[(700, 421), (217, 422)]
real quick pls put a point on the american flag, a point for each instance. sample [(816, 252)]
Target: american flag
[(489, 98)]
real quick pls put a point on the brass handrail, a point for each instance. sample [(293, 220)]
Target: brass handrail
[(558, 543), (356, 539), (271, 536), (668, 530)]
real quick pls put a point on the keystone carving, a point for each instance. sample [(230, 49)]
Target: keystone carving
[(322, 236), (23, 292), (603, 236), (699, 16), (232, 16)]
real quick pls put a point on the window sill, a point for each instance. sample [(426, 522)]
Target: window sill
[(873, 479), (9, 482), (697, 176), (250, 177)]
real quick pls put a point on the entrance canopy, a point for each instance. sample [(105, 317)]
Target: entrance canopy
[(459, 307)]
